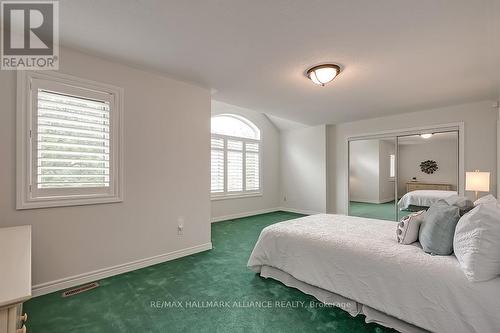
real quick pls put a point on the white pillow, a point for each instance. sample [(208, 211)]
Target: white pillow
[(460, 202), (408, 227), (477, 242), (486, 199)]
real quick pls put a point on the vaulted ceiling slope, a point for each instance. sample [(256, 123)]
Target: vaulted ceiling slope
[(398, 55)]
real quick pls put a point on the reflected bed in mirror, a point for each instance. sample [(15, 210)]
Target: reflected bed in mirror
[(427, 170)]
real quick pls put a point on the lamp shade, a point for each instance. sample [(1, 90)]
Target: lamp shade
[(477, 181)]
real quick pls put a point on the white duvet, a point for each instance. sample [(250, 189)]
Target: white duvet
[(360, 259), (424, 198)]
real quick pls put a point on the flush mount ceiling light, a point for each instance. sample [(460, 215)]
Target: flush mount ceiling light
[(426, 135), (323, 74)]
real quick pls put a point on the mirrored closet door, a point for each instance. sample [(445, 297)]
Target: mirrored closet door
[(391, 177), (372, 178)]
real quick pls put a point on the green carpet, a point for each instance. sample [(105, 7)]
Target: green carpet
[(123, 302), (383, 211)]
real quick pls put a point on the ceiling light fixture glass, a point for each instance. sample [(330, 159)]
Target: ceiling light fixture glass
[(426, 135), (323, 74)]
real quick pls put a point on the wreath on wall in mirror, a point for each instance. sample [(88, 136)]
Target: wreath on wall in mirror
[(429, 166)]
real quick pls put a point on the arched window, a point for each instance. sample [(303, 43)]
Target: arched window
[(235, 156)]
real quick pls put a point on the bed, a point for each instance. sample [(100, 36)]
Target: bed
[(423, 198), (356, 263)]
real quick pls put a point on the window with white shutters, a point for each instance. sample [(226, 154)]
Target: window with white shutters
[(71, 133), (235, 154), (72, 138)]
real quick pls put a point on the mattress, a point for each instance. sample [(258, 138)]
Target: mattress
[(423, 198), (360, 259)]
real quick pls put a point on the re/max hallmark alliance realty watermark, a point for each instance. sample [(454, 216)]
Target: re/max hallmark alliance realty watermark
[(244, 304), (30, 35)]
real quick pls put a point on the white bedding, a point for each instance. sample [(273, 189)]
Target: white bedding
[(352, 307), (360, 259), (424, 198)]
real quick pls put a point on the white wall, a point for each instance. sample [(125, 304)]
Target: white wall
[(480, 144), (498, 143), (303, 169), (444, 152), (386, 183), (364, 171), (167, 158), (269, 200), (369, 174)]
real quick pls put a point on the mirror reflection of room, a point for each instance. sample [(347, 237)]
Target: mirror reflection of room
[(427, 170), (372, 176)]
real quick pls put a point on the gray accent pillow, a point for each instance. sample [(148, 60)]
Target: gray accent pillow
[(438, 228)]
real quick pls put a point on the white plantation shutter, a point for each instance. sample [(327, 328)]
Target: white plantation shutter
[(73, 141), (217, 165), (234, 171), (234, 166), (252, 167)]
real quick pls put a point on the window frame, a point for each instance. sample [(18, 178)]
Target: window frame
[(28, 195), (392, 166), (244, 193)]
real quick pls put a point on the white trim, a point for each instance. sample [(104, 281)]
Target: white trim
[(387, 199), (244, 214), (407, 131), (457, 126), (215, 197), (72, 281), (378, 202), (498, 148), (299, 211), (26, 199), (262, 211)]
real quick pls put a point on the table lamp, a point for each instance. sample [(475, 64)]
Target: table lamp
[(477, 181)]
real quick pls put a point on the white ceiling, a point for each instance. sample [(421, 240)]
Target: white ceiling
[(398, 55), (285, 124)]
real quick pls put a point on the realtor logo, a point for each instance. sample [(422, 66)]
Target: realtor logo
[(30, 35)]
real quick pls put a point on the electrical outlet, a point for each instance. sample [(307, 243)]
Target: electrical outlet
[(180, 226)]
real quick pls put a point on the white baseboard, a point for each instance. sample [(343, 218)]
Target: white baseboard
[(76, 280), (363, 200), (377, 202), (245, 214), (386, 200), (299, 211), (263, 211)]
